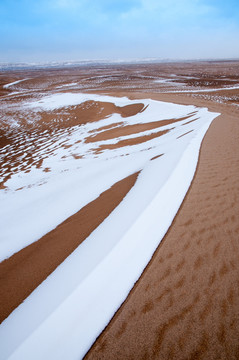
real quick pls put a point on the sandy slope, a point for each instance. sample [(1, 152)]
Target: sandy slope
[(186, 304)]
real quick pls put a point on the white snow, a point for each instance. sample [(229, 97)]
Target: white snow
[(64, 315), (14, 83), (66, 85), (205, 90)]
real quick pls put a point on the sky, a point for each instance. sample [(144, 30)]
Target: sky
[(74, 30)]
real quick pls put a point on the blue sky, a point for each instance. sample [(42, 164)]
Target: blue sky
[(55, 30)]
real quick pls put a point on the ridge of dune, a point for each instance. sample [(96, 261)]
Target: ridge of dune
[(185, 305), (133, 246)]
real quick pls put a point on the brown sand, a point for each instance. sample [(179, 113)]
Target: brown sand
[(24, 271), (133, 141), (107, 127), (131, 129), (186, 303), (89, 111)]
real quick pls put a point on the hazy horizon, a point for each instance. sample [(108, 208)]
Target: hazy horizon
[(126, 30)]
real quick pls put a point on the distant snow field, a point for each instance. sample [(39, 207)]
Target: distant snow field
[(63, 316)]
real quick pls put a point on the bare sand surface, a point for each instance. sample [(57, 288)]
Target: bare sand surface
[(134, 141), (186, 303), (130, 129)]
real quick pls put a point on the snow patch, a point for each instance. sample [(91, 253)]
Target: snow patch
[(14, 83)]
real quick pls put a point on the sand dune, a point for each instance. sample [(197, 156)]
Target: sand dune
[(185, 304)]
